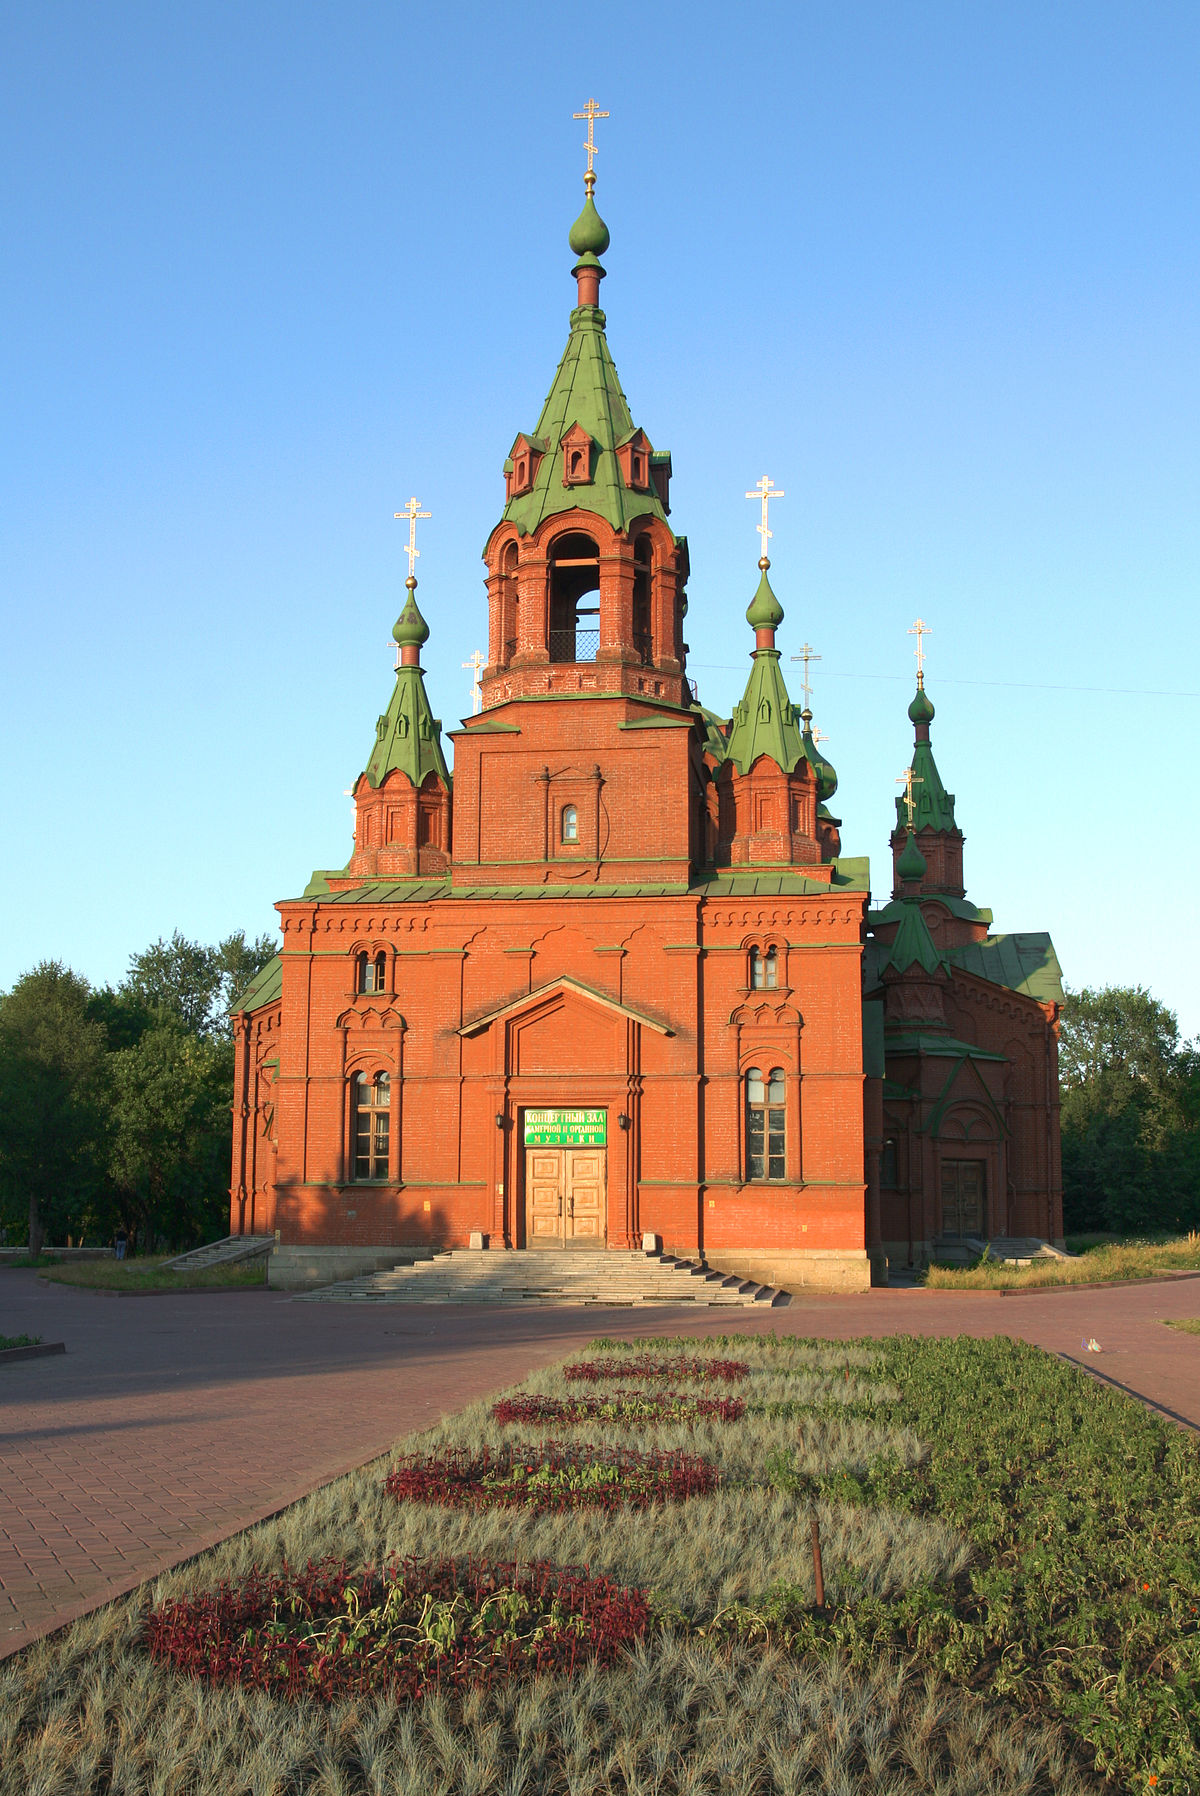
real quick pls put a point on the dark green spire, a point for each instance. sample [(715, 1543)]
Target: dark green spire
[(932, 805)]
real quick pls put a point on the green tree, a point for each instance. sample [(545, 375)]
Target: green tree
[(193, 983), (53, 1101), (170, 1133), (1130, 1114)]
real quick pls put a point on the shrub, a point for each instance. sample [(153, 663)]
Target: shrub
[(424, 1625), (552, 1478), (706, 1371), (632, 1407)]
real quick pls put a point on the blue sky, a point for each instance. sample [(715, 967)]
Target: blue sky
[(270, 269)]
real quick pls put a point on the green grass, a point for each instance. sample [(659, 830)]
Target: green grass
[(146, 1273), (7, 1341), (1188, 1325), (1107, 1261), (1012, 1556)]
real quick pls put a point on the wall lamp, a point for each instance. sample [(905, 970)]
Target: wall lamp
[(622, 1121)]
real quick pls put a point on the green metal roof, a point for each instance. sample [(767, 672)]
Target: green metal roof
[(945, 1047), (852, 875), (264, 988), (1023, 963), (586, 391), (408, 737)]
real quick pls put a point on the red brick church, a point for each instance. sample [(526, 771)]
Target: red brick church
[(614, 978)]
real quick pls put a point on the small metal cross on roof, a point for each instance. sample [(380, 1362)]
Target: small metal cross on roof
[(591, 113), (807, 654), (412, 511), (766, 490), (920, 630), (908, 779), (476, 664)]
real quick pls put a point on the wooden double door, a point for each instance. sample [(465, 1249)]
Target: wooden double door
[(964, 1198), (566, 1196)]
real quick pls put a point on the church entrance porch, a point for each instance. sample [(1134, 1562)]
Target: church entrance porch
[(566, 1178)]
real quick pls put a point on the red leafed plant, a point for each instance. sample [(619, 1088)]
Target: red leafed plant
[(423, 1625), (622, 1406), (645, 1365), (551, 1478)]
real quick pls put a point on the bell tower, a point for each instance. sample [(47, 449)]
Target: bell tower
[(585, 577)]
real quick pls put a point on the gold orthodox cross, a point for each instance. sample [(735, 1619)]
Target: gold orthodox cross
[(908, 779), (920, 630), (476, 664), (412, 511), (591, 113), (806, 655), (766, 490)]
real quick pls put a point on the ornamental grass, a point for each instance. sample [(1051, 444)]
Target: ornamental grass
[(552, 1478)]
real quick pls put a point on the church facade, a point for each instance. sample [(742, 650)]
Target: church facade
[(615, 979)]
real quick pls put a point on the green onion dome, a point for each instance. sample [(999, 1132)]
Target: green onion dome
[(410, 627), (921, 709), (764, 611), (911, 864), (589, 234)]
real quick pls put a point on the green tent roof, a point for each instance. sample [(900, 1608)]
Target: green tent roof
[(765, 722), (913, 944), (587, 392), (408, 737)]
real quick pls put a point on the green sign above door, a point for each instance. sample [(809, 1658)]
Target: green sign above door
[(566, 1128)]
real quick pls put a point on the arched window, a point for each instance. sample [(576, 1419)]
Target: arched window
[(574, 577), (766, 1124), (370, 975), (570, 823), (370, 1124), (764, 969)]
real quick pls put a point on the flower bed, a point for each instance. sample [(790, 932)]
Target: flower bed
[(424, 1625), (623, 1406), (708, 1371), (552, 1478)]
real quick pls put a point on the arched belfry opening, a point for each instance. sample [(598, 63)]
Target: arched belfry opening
[(574, 577), (643, 574), (508, 593)]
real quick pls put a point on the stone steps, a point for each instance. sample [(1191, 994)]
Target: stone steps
[(231, 1250), (621, 1280)]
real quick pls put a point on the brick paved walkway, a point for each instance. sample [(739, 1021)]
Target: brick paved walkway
[(174, 1421)]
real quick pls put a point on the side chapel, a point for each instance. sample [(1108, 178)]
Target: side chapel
[(615, 978)]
